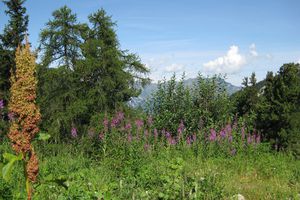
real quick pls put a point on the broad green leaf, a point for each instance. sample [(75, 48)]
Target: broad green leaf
[(10, 157), (7, 169), (43, 136)]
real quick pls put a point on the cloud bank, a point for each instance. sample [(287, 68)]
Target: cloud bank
[(229, 63), (233, 61)]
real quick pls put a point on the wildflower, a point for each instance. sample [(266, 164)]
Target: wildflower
[(114, 122), (173, 141), (188, 140), (213, 135), (168, 134), (228, 129), (258, 139), (128, 126), (129, 137), (230, 138), (181, 127), (169, 137), (222, 133), (74, 132), (249, 139), (101, 136), (139, 123), (150, 120), (1, 104)]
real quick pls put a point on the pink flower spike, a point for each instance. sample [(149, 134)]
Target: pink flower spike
[(74, 132), (213, 135), (139, 123)]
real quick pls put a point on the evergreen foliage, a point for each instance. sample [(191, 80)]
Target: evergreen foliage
[(60, 40), (245, 101), (92, 75), (278, 112), (12, 36)]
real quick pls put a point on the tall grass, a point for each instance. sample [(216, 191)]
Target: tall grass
[(131, 159)]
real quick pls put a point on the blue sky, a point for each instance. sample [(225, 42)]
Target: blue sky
[(232, 37)]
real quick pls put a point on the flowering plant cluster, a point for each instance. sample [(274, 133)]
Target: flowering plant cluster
[(231, 138)]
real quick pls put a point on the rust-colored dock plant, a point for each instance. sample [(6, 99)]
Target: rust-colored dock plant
[(25, 112)]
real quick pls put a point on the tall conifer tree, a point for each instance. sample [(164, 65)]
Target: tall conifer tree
[(13, 35)]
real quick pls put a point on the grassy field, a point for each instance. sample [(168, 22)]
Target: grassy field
[(86, 171)]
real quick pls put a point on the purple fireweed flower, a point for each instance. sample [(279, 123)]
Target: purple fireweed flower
[(173, 141), (188, 140), (74, 132), (222, 133), (258, 139), (228, 129), (129, 137), (150, 120), (139, 123), (1, 103), (249, 139), (181, 127), (128, 126), (168, 134), (101, 136), (114, 122), (230, 138), (213, 135)]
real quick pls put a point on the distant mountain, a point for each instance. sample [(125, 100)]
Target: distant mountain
[(152, 87)]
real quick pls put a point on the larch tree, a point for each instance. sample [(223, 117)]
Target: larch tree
[(13, 34), (110, 70), (60, 40), (24, 113)]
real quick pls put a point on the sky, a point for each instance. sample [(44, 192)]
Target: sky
[(232, 37)]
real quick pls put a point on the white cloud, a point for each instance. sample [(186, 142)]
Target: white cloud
[(174, 68), (298, 61), (253, 51), (230, 63)]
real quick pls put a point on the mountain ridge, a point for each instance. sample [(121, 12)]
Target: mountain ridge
[(149, 89)]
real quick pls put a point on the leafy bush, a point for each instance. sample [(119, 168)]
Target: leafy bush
[(202, 105)]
